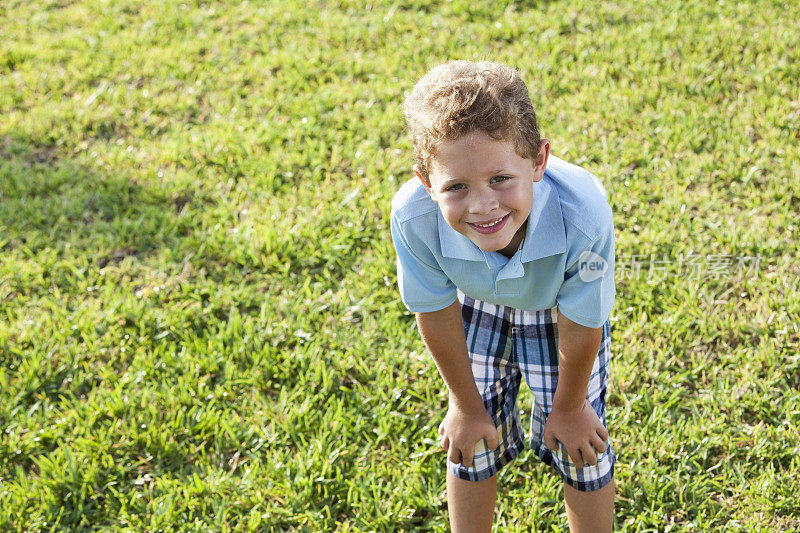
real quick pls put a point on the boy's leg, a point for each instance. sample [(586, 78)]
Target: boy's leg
[(590, 506), (471, 491), (590, 511), (470, 504)]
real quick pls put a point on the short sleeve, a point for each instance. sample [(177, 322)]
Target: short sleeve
[(588, 292), (424, 287)]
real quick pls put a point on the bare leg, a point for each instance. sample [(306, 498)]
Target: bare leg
[(590, 511), (471, 504)]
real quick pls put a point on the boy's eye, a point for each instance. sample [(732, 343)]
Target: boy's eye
[(499, 179), (456, 187)]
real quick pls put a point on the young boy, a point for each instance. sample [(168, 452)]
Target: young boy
[(506, 255)]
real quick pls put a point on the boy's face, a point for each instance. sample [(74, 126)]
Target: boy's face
[(485, 190)]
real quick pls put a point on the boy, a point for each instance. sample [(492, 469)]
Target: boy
[(506, 255)]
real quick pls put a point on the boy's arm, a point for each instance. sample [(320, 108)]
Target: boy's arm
[(573, 421), (443, 335), (467, 420), (577, 350)]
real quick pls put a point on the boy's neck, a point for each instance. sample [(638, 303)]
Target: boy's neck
[(510, 250)]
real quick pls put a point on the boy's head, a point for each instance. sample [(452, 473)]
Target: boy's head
[(477, 149), (461, 97)]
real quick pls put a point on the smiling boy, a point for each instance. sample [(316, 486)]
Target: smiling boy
[(506, 255)]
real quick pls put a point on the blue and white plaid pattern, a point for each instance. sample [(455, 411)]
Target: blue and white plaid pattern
[(505, 345)]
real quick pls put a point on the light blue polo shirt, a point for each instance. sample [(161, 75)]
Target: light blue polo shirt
[(566, 257)]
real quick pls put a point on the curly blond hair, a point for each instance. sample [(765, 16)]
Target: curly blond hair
[(460, 97)]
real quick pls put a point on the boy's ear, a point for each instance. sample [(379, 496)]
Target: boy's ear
[(541, 160), (424, 183)]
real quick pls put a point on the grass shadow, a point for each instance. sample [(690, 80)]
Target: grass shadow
[(49, 202)]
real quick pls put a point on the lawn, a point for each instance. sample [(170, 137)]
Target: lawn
[(200, 327)]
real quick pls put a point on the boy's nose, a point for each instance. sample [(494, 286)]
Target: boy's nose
[(483, 204)]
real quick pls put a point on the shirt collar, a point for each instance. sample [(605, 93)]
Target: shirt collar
[(544, 236)]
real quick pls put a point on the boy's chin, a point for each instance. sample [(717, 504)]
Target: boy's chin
[(491, 247), (488, 243), (500, 247)]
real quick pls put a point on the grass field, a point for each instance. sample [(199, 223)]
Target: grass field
[(200, 327)]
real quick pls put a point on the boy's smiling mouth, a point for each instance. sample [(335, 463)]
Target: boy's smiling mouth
[(491, 226)]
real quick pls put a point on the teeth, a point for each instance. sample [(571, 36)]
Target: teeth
[(489, 225)]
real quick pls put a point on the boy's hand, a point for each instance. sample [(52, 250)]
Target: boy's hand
[(579, 430), (461, 430)]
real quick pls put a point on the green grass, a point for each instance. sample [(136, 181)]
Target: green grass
[(200, 323)]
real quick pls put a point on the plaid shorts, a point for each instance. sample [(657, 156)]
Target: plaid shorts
[(505, 345)]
